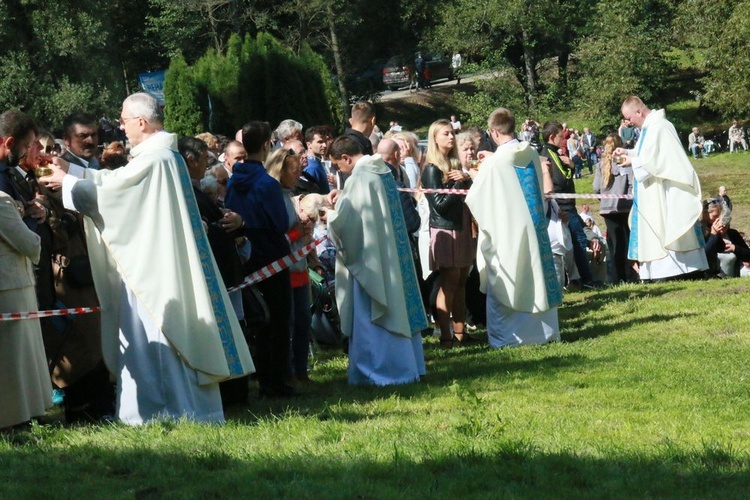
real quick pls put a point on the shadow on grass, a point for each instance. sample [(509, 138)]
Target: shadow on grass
[(579, 309), (577, 330), (464, 370), (512, 469)]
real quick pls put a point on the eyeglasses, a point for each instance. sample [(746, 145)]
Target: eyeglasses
[(293, 152), (123, 121)]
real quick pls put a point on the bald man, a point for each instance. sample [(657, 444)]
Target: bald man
[(665, 235), (234, 152)]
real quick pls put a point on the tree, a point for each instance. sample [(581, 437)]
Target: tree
[(627, 54), (48, 58), (525, 33), (720, 52), (182, 113), (254, 79)]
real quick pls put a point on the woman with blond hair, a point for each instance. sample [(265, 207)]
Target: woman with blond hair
[(609, 178), (451, 246)]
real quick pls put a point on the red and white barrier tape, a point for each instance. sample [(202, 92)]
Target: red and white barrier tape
[(278, 266), (258, 276), (48, 314), (548, 196)]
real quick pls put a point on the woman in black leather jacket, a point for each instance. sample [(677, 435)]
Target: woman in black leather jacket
[(451, 246)]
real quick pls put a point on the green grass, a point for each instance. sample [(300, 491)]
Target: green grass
[(648, 395)]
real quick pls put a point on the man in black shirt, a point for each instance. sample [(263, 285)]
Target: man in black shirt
[(562, 179)]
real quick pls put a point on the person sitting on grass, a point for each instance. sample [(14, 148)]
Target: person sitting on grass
[(725, 247)]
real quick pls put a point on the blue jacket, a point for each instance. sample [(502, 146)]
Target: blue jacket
[(259, 199), (318, 172)]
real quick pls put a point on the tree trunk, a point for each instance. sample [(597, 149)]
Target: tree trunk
[(528, 61), (339, 66), (562, 69)]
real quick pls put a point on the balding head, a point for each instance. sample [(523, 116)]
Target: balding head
[(634, 110), (235, 152), (390, 151)]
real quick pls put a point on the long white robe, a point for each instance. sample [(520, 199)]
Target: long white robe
[(151, 260), (514, 256), (376, 283), (665, 235)]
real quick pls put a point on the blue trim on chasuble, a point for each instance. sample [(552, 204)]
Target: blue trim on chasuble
[(414, 306), (213, 284), (529, 183), (633, 243), (698, 227)]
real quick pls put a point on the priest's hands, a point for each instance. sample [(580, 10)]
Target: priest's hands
[(484, 155), (566, 160), (59, 169), (333, 196)]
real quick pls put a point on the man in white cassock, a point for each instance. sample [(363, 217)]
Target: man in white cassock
[(514, 256), (168, 330), (665, 232), (376, 283)]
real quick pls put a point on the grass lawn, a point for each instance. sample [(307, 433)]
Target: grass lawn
[(647, 395)]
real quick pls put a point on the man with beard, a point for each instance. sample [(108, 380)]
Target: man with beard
[(18, 133), (25, 391)]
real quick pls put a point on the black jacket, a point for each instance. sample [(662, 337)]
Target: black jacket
[(562, 176), (222, 243), (446, 210)]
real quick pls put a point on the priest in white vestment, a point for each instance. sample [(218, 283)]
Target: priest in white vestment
[(168, 330), (376, 283), (665, 233), (514, 255)]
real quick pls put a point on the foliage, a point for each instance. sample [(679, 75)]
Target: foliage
[(625, 55), (46, 63), (723, 52), (182, 115), (255, 78), (493, 90)]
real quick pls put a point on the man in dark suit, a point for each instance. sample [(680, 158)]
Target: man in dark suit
[(589, 145), (77, 358), (81, 136)]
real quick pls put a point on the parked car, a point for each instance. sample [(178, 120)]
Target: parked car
[(399, 70)]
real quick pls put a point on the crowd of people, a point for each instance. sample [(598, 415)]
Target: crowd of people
[(160, 232)]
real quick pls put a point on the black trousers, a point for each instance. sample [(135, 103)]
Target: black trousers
[(272, 342), (618, 236)]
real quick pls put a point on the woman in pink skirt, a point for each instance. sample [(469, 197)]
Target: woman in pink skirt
[(451, 247)]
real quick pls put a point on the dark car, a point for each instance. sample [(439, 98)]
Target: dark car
[(399, 71)]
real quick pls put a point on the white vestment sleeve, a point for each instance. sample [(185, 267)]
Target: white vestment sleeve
[(67, 188), (75, 172)]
